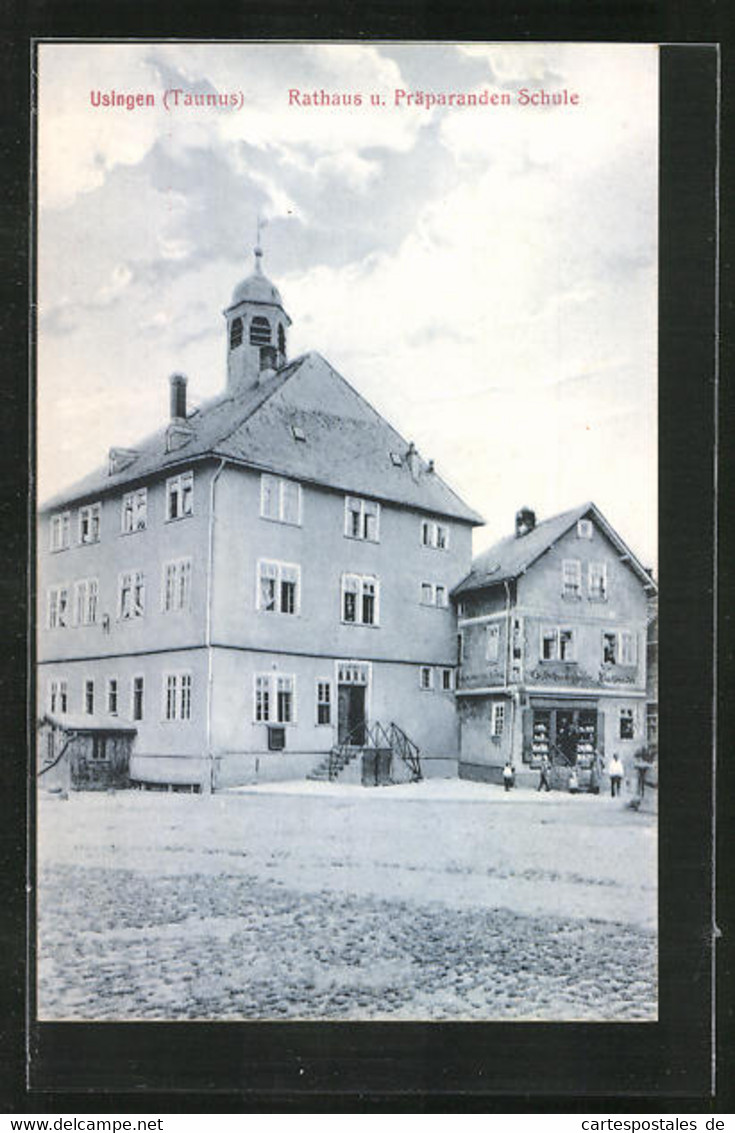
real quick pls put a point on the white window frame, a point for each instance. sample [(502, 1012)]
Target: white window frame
[(557, 631), (86, 597), (584, 528), (133, 681), (58, 689), (137, 587), (571, 578), (434, 594), (492, 643), (323, 683), (626, 647), (358, 505), (597, 570), (181, 489), (279, 486), (55, 608), (434, 534), (279, 569), (447, 679), (497, 719), (269, 683), (60, 531), (134, 511), (176, 690), (360, 581), (112, 690), (176, 598), (428, 672), (90, 518)]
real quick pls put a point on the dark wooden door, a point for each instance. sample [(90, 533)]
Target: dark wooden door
[(351, 714)]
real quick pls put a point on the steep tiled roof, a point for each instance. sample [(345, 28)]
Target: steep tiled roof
[(347, 445), (512, 556)]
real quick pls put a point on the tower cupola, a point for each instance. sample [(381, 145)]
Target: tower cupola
[(256, 329)]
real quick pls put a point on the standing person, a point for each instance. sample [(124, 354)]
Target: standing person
[(543, 778), (509, 775), (573, 782), (616, 775)]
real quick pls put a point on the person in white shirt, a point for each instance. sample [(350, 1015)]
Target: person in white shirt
[(616, 775)]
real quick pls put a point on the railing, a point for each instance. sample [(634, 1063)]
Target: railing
[(364, 737)]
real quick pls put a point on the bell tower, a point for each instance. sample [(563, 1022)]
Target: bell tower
[(257, 326)]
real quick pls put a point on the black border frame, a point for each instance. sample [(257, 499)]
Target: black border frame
[(416, 1067)]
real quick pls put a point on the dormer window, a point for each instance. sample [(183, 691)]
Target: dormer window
[(236, 333), (260, 332)]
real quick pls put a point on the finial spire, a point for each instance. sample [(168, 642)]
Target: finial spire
[(259, 226)]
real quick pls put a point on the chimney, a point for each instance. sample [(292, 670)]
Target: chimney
[(413, 460), (525, 521), (178, 397)]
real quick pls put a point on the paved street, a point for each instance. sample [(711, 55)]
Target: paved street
[(435, 901)]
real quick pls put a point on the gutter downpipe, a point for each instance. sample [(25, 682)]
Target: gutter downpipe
[(208, 624), (508, 647)]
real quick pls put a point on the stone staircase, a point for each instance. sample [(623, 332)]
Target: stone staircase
[(389, 757)]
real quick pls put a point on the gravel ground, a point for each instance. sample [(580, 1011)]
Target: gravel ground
[(430, 904)]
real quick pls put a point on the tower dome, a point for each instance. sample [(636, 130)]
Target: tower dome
[(256, 329)]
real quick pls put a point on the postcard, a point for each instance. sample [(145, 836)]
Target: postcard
[(347, 563)]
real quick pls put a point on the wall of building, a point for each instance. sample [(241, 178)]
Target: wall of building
[(407, 630)]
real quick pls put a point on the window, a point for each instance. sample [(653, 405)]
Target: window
[(619, 647), (597, 581), (396, 459), (279, 586), (260, 331), (177, 696), (323, 702), (447, 679), (497, 720), (89, 698), (85, 601), (281, 339), (426, 677), (89, 523), (362, 518), (134, 511), (176, 586), (434, 594), (627, 724), (112, 696), (180, 496), (492, 643), (60, 531), (460, 648), (434, 535), (627, 647), (584, 528), (557, 644), (571, 578), (58, 697), (280, 499), (275, 698), (235, 333), (353, 672), (58, 607), (298, 433), (131, 597), (360, 595), (138, 689)]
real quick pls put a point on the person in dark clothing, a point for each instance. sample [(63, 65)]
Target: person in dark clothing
[(543, 779), (509, 776)]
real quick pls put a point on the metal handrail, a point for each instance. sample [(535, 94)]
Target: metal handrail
[(377, 736)]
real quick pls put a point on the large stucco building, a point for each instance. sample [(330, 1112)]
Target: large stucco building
[(552, 625), (255, 582)]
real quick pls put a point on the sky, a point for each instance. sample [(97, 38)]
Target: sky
[(486, 276)]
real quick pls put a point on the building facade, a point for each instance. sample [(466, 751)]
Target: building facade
[(260, 580), (552, 625)]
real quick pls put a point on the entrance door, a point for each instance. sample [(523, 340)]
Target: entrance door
[(566, 735), (351, 714)]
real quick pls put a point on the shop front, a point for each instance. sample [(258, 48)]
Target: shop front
[(570, 733)]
